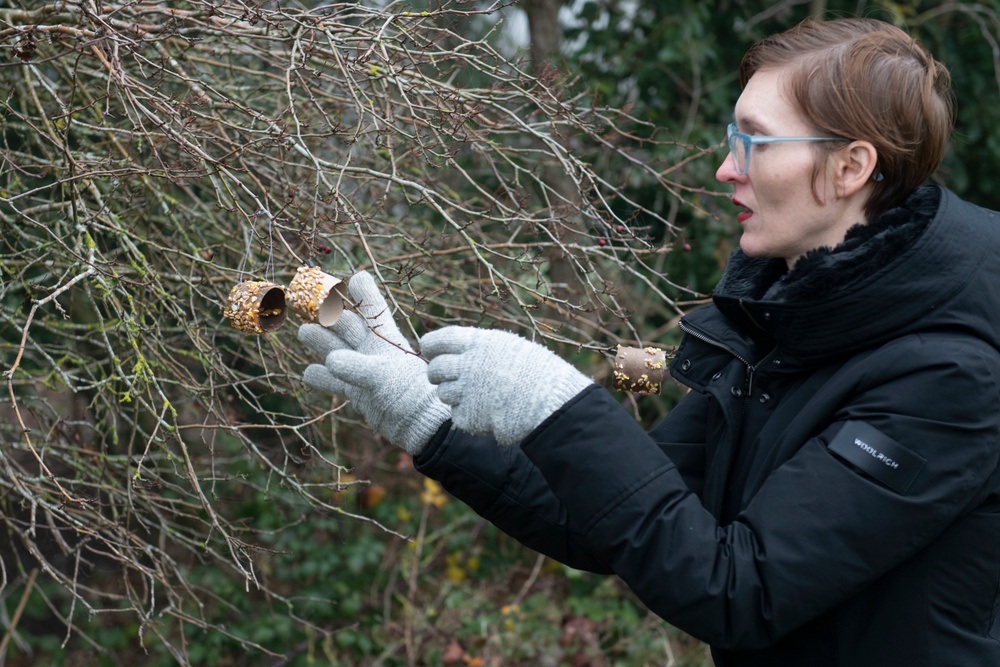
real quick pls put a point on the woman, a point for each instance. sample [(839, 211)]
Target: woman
[(828, 492)]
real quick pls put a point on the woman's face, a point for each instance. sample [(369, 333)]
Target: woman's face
[(781, 216)]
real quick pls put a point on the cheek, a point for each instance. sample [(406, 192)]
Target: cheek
[(786, 183)]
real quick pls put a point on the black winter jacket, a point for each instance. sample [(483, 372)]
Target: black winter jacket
[(828, 491)]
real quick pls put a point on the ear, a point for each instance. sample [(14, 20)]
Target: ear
[(853, 167)]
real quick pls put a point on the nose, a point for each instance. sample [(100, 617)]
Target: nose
[(726, 173)]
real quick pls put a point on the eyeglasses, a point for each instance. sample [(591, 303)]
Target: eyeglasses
[(740, 143)]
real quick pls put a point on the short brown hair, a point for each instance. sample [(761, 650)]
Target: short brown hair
[(864, 79)]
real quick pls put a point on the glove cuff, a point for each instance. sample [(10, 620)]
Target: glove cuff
[(422, 426), (564, 385)]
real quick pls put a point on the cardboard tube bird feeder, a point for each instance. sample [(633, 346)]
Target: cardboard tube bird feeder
[(256, 307), (639, 370), (316, 296)]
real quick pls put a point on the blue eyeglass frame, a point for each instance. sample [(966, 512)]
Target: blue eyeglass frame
[(748, 140)]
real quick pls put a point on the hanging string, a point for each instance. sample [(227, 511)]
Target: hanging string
[(269, 264)]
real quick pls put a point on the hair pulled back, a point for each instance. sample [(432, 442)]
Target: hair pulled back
[(864, 79)]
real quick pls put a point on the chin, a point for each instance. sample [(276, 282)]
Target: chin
[(750, 249)]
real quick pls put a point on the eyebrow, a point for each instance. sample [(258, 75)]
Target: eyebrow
[(750, 126)]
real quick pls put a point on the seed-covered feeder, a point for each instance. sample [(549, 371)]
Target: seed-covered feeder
[(316, 296), (639, 370), (256, 307)]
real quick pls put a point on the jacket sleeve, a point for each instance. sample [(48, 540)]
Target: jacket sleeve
[(504, 487), (818, 530)]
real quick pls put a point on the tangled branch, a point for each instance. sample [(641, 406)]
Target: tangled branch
[(154, 155)]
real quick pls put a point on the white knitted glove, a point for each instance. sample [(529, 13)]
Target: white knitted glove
[(369, 361), (497, 382)]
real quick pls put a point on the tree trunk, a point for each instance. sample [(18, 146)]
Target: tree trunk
[(546, 37), (545, 32)]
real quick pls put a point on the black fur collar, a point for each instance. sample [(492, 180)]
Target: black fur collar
[(825, 272)]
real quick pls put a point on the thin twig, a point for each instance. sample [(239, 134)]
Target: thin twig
[(28, 587)]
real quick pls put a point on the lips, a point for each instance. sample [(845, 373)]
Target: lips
[(743, 215)]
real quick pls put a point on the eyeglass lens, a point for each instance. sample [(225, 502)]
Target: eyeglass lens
[(738, 148)]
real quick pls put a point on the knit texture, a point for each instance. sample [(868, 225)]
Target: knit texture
[(368, 360), (497, 382)]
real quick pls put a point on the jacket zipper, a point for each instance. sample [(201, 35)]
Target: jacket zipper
[(722, 346), (751, 368), (716, 503)]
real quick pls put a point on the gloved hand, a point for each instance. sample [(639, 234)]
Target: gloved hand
[(369, 361), (497, 382)]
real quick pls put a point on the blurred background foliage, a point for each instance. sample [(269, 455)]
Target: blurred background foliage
[(170, 493)]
